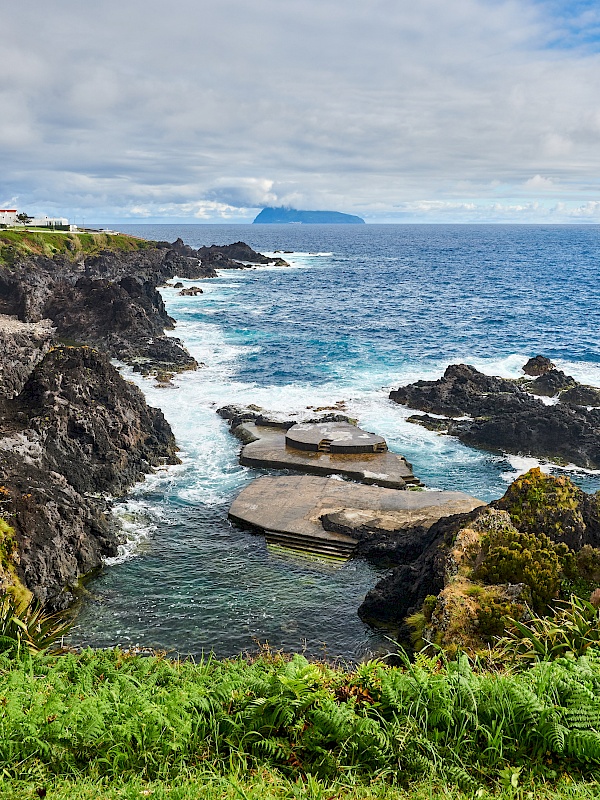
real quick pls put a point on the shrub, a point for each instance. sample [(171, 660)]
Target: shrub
[(26, 626), (539, 503), (510, 556)]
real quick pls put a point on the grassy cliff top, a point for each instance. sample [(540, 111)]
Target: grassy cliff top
[(18, 244)]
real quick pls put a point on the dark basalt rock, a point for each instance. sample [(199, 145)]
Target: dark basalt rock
[(110, 300), (581, 396), (402, 591), (462, 390), (538, 365), (192, 291), (503, 416), (236, 253), (71, 429), (382, 547), (92, 426), (76, 430), (551, 383), (22, 346), (429, 422)]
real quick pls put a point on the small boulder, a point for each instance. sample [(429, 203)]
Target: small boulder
[(538, 366), (551, 383), (192, 291)]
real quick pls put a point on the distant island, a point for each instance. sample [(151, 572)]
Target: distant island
[(278, 215)]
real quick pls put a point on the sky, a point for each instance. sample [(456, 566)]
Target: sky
[(471, 111)]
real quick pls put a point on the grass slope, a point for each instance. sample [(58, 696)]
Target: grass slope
[(19, 244)]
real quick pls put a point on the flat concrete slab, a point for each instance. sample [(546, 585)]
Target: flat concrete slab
[(289, 508), (334, 437), (269, 450)]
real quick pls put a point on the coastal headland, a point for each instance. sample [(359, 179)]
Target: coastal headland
[(73, 431)]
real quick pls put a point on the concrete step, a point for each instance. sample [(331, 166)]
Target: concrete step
[(309, 544)]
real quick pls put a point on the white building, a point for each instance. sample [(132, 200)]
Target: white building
[(48, 222), (8, 216)]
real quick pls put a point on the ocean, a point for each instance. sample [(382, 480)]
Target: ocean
[(360, 310)]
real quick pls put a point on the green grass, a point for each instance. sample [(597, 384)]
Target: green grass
[(18, 244), (115, 724), (268, 784)]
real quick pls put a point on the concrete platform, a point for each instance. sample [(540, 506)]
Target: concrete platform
[(334, 437), (288, 509), (269, 450)]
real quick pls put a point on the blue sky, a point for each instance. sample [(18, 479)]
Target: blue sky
[(196, 111)]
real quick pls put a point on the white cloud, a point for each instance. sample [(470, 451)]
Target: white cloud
[(539, 183), (198, 107)]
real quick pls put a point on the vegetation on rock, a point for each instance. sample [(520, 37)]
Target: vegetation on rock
[(539, 503), (16, 245), (503, 571)]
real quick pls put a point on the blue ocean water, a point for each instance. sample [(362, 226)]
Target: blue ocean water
[(361, 309)]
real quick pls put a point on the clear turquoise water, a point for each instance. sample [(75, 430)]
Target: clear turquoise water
[(360, 310)]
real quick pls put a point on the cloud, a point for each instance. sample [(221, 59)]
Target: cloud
[(208, 109), (539, 183)]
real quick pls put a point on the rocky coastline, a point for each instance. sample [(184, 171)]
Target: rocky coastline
[(509, 415), (73, 432)]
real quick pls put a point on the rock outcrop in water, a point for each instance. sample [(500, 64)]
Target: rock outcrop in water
[(504, 415)]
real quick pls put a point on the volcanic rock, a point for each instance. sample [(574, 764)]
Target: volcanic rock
[(192, 291), (22, 346), (538, 365), (501, 415), (403, 590), (581, 396), (75, 431), (551, 383)]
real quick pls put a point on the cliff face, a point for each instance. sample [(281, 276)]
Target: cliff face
[(22, 346), (75, 429)]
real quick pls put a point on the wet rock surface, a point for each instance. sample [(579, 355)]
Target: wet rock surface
[(76, 430), (501, 414), (538, 365), (402, 591)]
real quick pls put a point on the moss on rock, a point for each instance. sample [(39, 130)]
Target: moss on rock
[(554, 506), (10, 583)]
